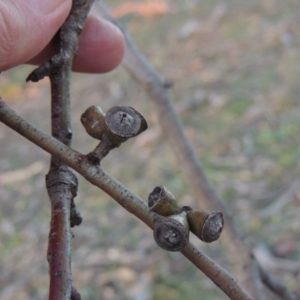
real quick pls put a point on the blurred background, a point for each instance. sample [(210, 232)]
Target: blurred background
[(235, 66)]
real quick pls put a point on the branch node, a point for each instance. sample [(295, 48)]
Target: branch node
[(93, 158), (40, 72), (74, 294), (75, 216)]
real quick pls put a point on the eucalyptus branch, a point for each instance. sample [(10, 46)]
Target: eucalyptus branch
[(61, 182), (132, 203), (245, 264)]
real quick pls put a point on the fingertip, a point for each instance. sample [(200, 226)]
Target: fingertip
[(101, 47)]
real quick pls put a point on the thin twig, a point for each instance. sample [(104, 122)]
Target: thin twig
[(61, 182), (101, 150), (135, 205)]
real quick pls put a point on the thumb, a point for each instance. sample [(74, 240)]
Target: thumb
[(26, 27)]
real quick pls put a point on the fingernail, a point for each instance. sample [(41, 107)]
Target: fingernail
[(45, 6)]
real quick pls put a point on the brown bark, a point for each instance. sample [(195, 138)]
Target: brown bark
[(244, 264), (95, 175), (61, 183)]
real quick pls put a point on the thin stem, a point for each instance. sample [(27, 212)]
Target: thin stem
[(135, 205), (230, 286), (61, 182), (101, 150), (60, 185)]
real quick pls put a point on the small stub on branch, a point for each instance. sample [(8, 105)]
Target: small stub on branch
[(171, 233), (207, 226), (40, 72), (75, 216)]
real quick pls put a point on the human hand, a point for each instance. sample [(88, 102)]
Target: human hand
[(27, 27)]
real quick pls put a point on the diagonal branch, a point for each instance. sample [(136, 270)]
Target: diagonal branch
[(245, 264), (135, 205)]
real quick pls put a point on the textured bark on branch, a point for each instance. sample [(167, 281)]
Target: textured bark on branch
[(245, 266), (95, 175), (61, 182)]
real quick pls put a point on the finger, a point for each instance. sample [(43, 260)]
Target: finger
[(26, 27), (101, 48)]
